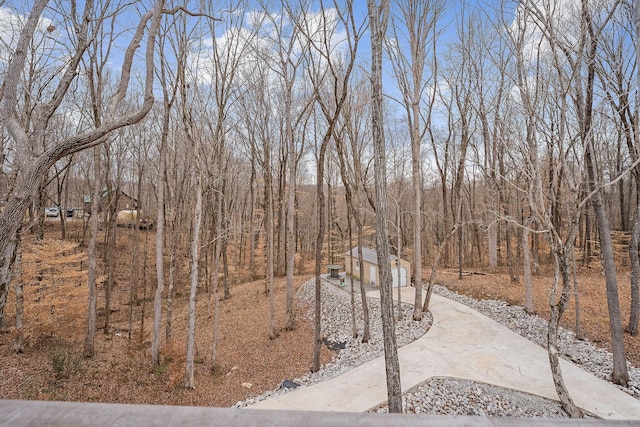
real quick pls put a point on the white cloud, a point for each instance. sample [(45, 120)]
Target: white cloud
[(11, 24), (265, 37), (536, 21)]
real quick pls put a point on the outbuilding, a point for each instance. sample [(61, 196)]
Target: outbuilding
[(400, 268)]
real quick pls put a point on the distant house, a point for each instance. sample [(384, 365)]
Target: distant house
[(400, 269)]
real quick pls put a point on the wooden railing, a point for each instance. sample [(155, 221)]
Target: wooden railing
[(74, 414)]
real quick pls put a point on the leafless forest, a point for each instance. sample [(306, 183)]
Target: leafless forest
[(212, 144)]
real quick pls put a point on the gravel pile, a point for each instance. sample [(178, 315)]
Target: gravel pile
[(447, 396), (450, 396)]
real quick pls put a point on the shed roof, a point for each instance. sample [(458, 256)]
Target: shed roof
[(368, 255)]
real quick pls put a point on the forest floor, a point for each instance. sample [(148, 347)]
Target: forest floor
[(247, 362), (52, 367)]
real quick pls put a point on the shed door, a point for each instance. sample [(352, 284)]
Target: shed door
[(403, 276), (373, 274)]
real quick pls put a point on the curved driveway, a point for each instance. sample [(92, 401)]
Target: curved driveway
[(461, 343)]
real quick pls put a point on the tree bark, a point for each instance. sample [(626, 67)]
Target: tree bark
[(172, 275), (269, 234), (492, 243), (89, 348), (291, 212), (526, 262), (366, 334), (620, 374), (378, 18), (157, 298), (317, 338), (632, 326), (18, 345), (558, 307), (576, 295), (195, 245), (398, 275)]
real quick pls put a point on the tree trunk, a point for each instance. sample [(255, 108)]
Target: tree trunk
[(417, 232), (224, 235), (191, 331), (352, 292), (492, 242), (172, 275), (145, 251), (269, 234), (434, 268), (460, 241), (110, 237), (586, 250), (620, 374), (632, 326), (352, 214), (89, 349), (363, 293), (510, 255), (225, 271), (134, 280), (318, 262), (253, 227), (18, 345), (214, 345), (526, 262), (291, 213), (558, 307), (378, 18), (157, 298), (399, 228), (576, 295)]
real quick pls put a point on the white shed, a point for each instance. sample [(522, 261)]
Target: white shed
[(400, 268)]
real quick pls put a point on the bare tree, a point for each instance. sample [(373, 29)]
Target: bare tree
[(581, 60), (351, 139), (614, 69), (378, 20), (169, 86), (33, 169), (195, 145), (328, 75), (419, 20), (289, 46), (193, 280), (460, 80), (632, 327), (256, 110), (89, 343)]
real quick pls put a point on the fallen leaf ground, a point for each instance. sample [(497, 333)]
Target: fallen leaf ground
[(51, 367)]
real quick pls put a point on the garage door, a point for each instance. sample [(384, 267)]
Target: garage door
[(403, 276), (373, 274)]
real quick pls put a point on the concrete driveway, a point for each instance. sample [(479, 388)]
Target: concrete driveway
[(461, 343)]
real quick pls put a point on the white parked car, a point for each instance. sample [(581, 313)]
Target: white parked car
[(52, 212)]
